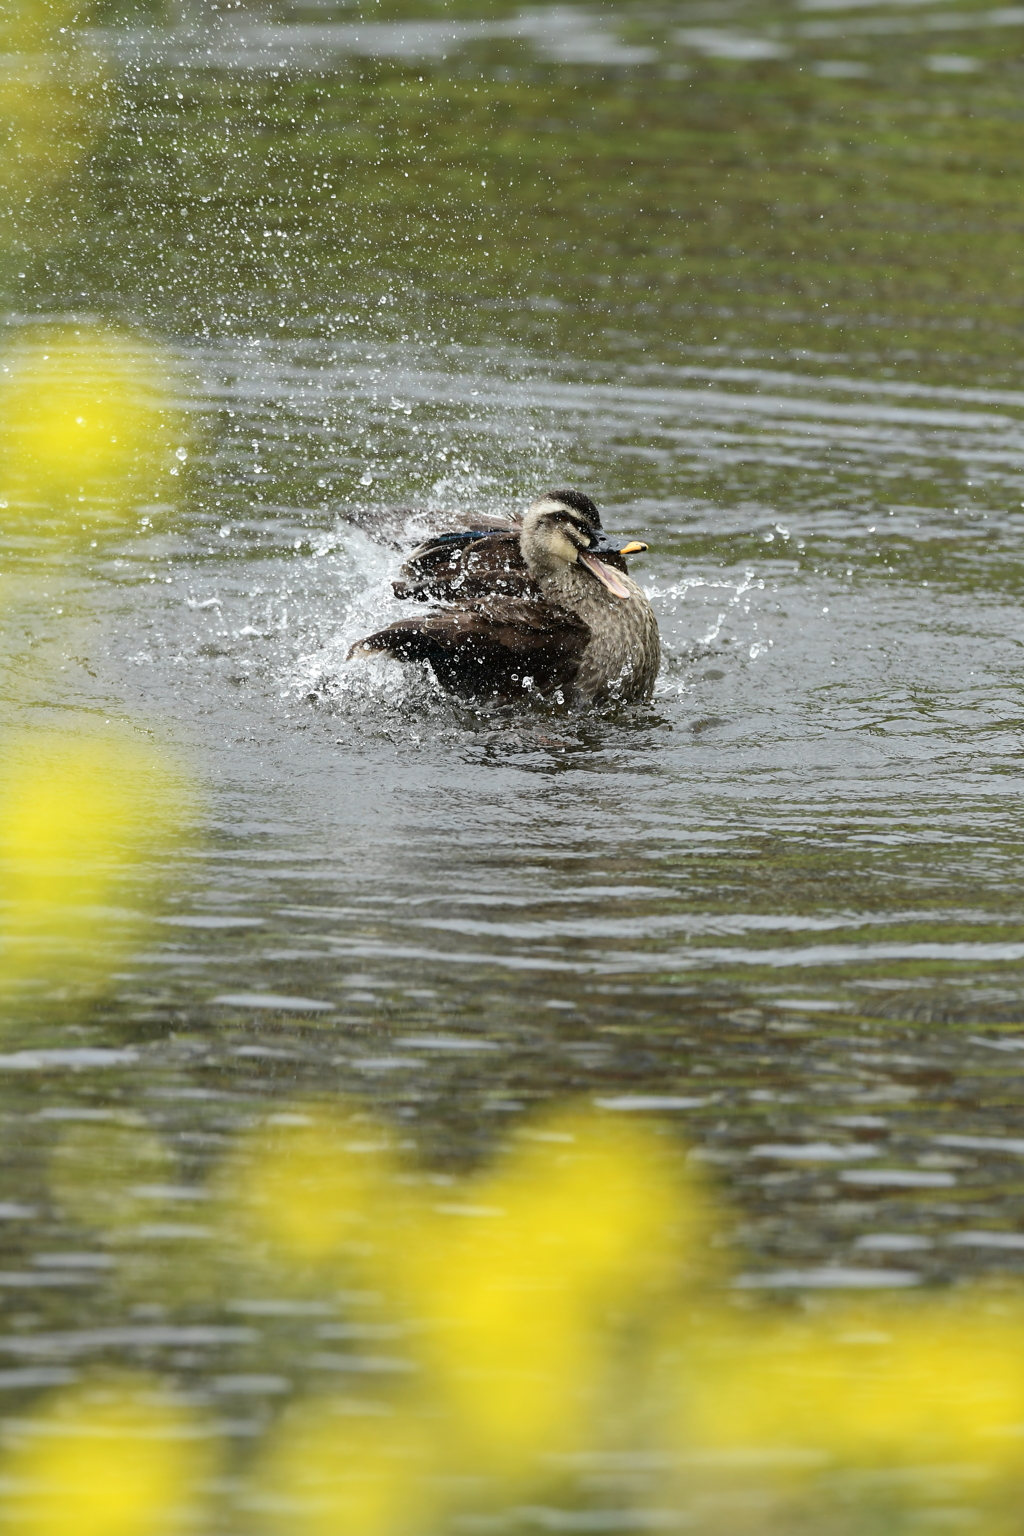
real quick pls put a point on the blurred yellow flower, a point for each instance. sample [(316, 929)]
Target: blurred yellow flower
[(508, 1279), (527, 1281), (313, 1186), (52, 101), (554, 1311), (78, 821), (102, 1461), (892, 1382), (88, 429)]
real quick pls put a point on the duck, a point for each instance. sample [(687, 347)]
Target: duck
[(544, 605)]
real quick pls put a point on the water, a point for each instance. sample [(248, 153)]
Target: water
[(779, 909)]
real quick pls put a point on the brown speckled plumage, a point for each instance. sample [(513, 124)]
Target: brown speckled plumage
[(529, 608), (622, 657)]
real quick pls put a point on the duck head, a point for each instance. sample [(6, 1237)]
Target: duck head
[(562, 529)]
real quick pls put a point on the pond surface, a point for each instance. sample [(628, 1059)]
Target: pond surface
[(744, 273)]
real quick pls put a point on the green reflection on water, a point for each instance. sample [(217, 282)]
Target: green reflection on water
[(758, 204)]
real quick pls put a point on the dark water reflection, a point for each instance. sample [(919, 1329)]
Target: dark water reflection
[(781, 908)]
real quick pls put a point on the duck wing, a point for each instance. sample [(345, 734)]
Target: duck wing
[(500, 645), (466, 565)]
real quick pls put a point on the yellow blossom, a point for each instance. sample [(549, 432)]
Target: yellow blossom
[(78, 820), (527, 1280), (52, 101), (89, 430), (893, 1382), (309, 1185), (102, 1461)]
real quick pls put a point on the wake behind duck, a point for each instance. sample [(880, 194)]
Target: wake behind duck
[(545, 606)]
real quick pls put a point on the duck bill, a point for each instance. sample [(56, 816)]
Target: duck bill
[(605, 574)]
